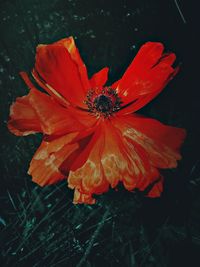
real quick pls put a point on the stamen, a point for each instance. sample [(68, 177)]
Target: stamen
[(103, 102)]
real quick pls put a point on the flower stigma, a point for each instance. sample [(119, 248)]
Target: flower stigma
[(103, 102)]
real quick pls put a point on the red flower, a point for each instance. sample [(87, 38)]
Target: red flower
[(91, 134)]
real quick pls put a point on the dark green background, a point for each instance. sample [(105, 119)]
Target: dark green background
[(41, 226)]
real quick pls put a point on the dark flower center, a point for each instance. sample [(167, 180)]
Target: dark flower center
[(103, 101)]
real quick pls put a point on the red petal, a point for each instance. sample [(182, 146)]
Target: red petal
[(89, 178), (82, 139), (156, 189), (145, 77), (23, 119), (59, 65), (69, 44), (44, 167), (38, 112), (99, 78), (115, 84), (61, 100), (108, 159), (80, 198), (124, 162), (55, 119), (160, 142)]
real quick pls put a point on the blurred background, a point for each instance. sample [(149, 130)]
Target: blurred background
[(41, 226)]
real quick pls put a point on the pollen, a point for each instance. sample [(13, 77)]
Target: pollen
[(103, 102)]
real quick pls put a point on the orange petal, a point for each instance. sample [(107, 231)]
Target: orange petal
[(59, 66), (39, 112), (124, 162), (23, 119), (108, 159), (78, 158), (99, 78), (54, 118), (44, 167), (80, 198), (160, 142), (146, 76), (89, 178)]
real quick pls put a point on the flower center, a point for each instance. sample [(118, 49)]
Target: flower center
[(103, 102)]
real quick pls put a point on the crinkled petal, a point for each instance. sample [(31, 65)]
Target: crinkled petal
[(125, 162), (89, 178), (108, 159), (80, 198), (56, 119), (60, 67), (160, 142), (44, 167), (39, 112), (146, 76), (23, 119), (78, 158)]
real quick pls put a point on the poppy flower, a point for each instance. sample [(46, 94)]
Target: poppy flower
[(91, 134)]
